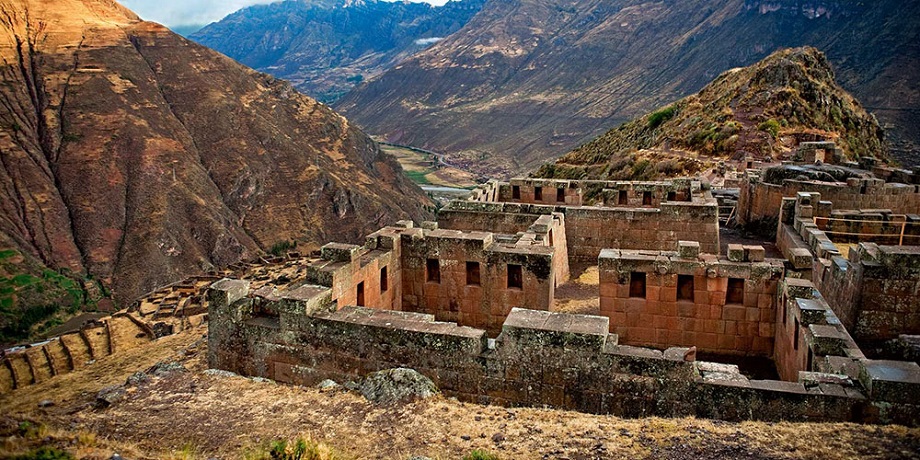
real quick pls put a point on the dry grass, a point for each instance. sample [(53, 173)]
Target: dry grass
[(196, 415), (580, 294)]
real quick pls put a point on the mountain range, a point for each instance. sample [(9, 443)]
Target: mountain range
[(527, 80), (327, 47), (133, 158)]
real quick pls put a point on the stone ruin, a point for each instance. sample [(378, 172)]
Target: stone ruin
[(471, 302), (829, 316)]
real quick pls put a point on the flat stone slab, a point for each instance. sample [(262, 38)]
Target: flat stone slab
[(522, 318), (892, 381)]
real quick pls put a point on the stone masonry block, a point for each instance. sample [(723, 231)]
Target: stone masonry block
[(828, 340), (736, 253), (339, 252), (688, 249), (227, 291), (801, 258), (891, 381), (755, 253), (812, 311)]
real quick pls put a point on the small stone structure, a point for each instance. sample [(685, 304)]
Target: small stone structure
[(762, 192), (874, 290), (719, 304), (598, 214), (819, 152)]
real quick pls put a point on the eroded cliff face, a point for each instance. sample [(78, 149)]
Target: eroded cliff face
[(527, 80), (134, 156)]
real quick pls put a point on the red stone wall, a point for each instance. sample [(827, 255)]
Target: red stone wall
[(367, 270), (660, 320), (571, 192), (592, 229), (790, 360), (875, 292), (485, 305)]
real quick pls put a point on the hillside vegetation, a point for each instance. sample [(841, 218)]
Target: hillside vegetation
[(759, 112)]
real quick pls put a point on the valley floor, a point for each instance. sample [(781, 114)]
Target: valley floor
[(199, 414)]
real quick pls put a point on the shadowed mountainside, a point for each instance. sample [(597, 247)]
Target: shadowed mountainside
[(136, 158), (760, 112), (529, 79), (327, 47)]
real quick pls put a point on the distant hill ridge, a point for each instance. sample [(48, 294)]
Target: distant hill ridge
[(327, 47), (757, 112)]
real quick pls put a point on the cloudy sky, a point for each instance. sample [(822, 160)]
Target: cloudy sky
[(195, 12)]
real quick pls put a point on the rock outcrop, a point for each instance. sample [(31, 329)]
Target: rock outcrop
[(398, 385)]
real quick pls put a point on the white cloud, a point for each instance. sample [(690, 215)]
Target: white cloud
[(428, 41), (196, 12)]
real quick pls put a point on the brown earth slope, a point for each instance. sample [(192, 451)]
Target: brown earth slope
[(134, 156), (758, 112), (526, 80)]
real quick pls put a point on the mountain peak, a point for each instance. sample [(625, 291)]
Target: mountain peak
[(527, 80), (762, 111)]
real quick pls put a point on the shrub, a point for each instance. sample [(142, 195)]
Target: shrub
[(480, 455), (657, 118), (770, 126), (301, 449), (45, 453), (282, 247)]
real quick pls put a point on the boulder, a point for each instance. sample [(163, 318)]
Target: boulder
[(109, 395), (396, 386)]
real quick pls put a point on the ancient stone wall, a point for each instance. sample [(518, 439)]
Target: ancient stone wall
[(663, 299), (759, 202), (369, 275), (479, 280), (627, 194), (503, 218), (540, 359), (880, 226), (873, 291), (590, 229), (809, 336)]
